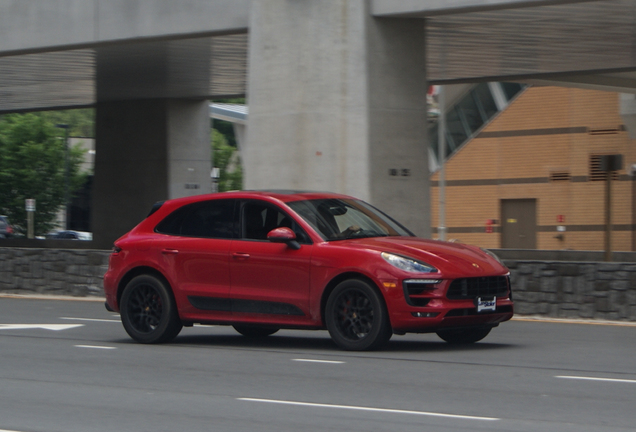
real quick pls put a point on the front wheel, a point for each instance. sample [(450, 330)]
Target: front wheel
[(356, 316), (254, 331), (148, 310), (463, 336)]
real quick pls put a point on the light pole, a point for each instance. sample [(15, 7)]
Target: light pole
[(66, 177)]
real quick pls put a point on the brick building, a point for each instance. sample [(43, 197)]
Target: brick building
[(534, 172)]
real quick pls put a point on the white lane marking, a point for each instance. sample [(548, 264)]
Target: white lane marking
[(318, 361), (89, 319), (360, 408), (597, 379), (6, 430), (94, 347), (54, 327)]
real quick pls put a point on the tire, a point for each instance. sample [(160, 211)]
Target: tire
[(356, 316), (254, 331), (464, 336), (148, 310)]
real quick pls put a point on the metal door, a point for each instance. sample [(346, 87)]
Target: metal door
[(519, 224)]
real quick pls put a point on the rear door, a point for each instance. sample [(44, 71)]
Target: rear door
[(195, 250)]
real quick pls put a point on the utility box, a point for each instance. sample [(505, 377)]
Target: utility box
[(612, 162)]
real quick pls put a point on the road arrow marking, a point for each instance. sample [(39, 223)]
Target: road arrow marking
[(54, 327)]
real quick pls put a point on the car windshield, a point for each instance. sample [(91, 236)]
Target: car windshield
[(340, 219)]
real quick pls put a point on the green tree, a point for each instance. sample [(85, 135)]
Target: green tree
[(226, 158), (81, 121), (32, 165)]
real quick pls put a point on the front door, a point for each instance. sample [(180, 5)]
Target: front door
[(519, 224), (268, 280)]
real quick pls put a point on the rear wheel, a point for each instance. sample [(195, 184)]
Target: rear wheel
[(148, 310), (254, 331), (356, 316), (463, 336)]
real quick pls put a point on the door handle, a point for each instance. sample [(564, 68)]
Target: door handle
[(169, 251), (240, 255)]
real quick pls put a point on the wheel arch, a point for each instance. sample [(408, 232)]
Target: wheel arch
[(137, 271), (333, 283)]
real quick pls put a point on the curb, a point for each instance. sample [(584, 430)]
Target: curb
[(533, 318), (52, 297)]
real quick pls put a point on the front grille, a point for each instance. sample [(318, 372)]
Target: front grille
[(471, 288)]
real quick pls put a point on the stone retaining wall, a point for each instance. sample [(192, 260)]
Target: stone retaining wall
[(557, 289), (53, 271), (560, 289)]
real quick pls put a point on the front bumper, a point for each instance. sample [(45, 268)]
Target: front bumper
[(433, 310)]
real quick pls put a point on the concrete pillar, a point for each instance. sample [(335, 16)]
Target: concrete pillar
[(338, 103), (628, 112), (146, 151), (398, 141)]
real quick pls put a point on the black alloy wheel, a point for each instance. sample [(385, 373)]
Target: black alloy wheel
[(148, 310), (464, 336), (252, 331), (356, 316)]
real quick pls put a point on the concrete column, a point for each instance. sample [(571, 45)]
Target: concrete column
[(338, 103), (628, 112), (146, 151), (398, 141)]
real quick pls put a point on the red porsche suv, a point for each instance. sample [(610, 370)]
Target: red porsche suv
[(262, 261)]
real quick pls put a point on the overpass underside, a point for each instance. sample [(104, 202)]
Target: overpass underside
[(337, 89)]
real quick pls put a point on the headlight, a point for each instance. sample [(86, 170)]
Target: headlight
[(492, 255), (408, 264)]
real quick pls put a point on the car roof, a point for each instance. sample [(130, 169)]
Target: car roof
[(281, 195)]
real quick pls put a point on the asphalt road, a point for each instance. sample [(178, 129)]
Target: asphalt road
[(525, 376)]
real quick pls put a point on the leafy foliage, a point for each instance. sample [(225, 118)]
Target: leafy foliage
[(226, 158), (32, 165), (81, 122)]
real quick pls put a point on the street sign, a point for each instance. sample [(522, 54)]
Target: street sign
[(30, 204)]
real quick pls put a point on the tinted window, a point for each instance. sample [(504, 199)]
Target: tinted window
[(338, 219), (209, 219), (260, 218)]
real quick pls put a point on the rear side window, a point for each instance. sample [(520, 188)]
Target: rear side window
[(206, 219)]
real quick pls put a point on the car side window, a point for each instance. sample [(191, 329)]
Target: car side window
[(206, 219), (260, 218)]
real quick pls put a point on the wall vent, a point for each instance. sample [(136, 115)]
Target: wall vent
[(606, 131), (595, 169), (560, 176)]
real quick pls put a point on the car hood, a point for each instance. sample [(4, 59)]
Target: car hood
[(446, 257)]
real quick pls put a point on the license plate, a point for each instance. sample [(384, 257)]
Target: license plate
[(486, 304)]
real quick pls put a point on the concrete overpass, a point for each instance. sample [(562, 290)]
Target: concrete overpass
[(336, 88)]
